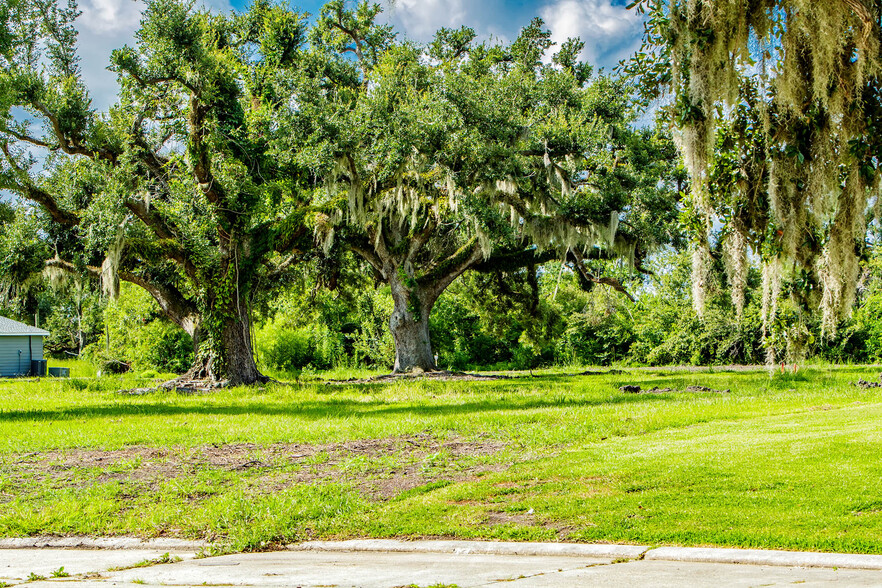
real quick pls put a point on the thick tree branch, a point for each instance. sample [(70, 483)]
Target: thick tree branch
[(278, 270), (356, 40), (29, 139), (512, 260), (363, 249), (168, 239), (445, 272), (172, 302), (67, 144), (201, 161), (157, 80), (611, 282), (28, 190), (418, 241)]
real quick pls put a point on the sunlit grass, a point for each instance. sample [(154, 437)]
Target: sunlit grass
[(787, 461)]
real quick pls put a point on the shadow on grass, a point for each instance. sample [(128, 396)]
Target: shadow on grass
[(335, 408)]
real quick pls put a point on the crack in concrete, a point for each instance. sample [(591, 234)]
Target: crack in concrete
[(526, 577), (618, 560)]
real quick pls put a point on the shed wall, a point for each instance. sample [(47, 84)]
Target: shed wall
[(14, 364)]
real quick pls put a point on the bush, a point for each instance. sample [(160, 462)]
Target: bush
[(291, 349), (140, 336), (590, 340), (163, 346)]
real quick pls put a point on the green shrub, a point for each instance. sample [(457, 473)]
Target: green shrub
[(591, 340), (140, 336), (291, 349)]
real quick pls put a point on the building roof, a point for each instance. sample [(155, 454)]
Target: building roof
[(10, 327)]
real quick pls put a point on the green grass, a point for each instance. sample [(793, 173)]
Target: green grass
[(786, 462)]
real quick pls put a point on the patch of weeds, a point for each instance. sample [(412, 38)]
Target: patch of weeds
[(424, 489), (32, 577), (438, 459), (105, 384), (138, 581), (317, 458), (5, 584), (60, 573), (789, 378), (76, 384), (357, 464), (124, 465), (165, 558)]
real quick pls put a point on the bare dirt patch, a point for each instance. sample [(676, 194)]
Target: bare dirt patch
[(379, 468), (525, 519)]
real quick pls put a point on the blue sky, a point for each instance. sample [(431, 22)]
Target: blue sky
[(609, 31)]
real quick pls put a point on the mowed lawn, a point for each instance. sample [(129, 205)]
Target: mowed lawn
[(792, 462)]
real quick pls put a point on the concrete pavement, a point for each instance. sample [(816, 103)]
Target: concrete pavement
[(390, 563)]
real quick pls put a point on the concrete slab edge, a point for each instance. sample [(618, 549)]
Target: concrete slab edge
[(590, 550), (685, 554), (160, 544), (476, 547), (803, 559)]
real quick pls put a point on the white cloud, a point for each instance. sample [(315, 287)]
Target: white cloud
[(110, 17), (105, 25), (421, 18), (610, 33)]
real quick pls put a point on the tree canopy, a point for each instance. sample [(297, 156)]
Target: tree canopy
[(175, 188), (243, 144), (777, 105), (463, 155)]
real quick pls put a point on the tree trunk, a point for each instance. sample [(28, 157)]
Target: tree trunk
[(221, 344), (414, 295), (225, 356), (409, 324), (240, 368)]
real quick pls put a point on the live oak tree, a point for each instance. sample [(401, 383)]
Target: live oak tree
[(463, 155), (199, 185), (779, 112), (176, 188)]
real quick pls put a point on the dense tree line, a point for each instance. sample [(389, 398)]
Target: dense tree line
[(506, 320), (293, 193), (244, 146)]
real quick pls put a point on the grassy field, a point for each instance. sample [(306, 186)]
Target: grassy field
[(788, 461)]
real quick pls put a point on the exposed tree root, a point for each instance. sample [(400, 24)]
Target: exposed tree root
[(198, 380)]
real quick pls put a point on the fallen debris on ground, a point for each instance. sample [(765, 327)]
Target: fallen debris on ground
[(635, 389), (862, 383)]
